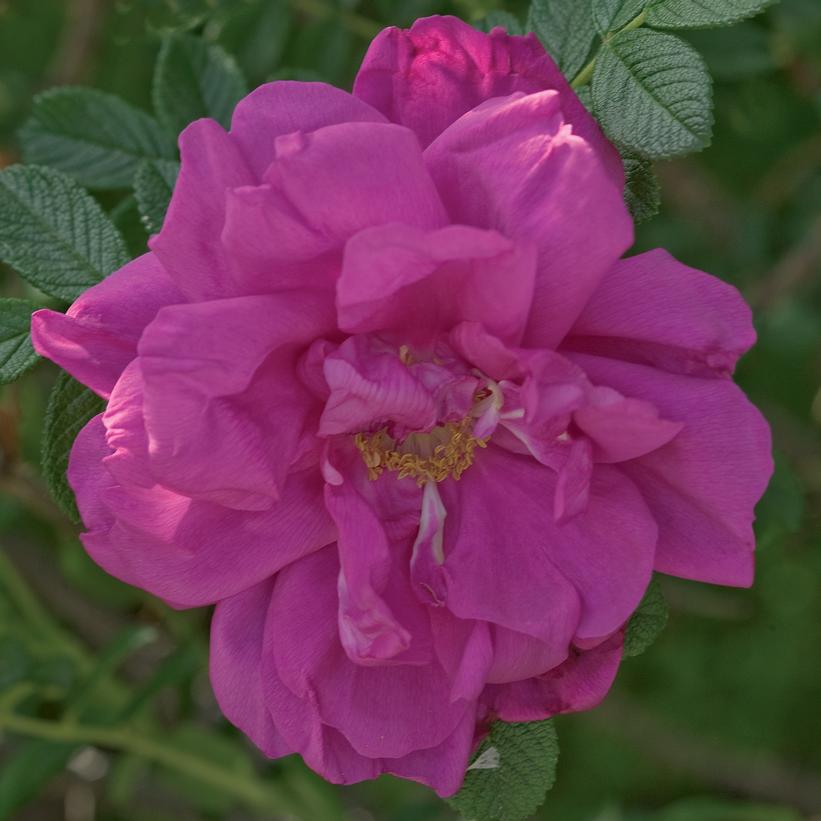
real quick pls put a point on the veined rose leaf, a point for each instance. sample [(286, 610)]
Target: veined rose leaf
[(16, 353), (566, 30), (652, 94), (153, 186), (511, 772), (54, 234), (611, 15), (642, 192), (195, 79), (691, 14), (647, 623), (70, 406), (95, 137)]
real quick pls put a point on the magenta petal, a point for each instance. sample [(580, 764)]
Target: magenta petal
[(400, 278), (384, 712), (287, 106), (702, 487), (513, 165), (429, 76), (189, 553), (223, 406), (237, 630), (370, 386), (652, 309), (578, 684), (98, 335), (189, 245)]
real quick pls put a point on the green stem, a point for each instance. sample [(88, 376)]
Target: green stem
[(356, 23), (251, 792), (586, 74)]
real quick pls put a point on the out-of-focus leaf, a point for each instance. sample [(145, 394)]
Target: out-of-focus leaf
[(781, 510), (647, 623), (15, 661), (509, 22), (642, 192), (713, 809), (611, 15), (511, 773), (54, 234), (153, 187), (95, 137), (16, 352), (652, 94), (701, 14), (195, 79), (566, 30), (71, 405)]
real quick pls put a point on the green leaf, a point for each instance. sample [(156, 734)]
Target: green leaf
[(647, 623), (95, 137), (70, 406), (566, 30), (509, 22), (195, 79), (511, 773), (698, 14), (153, 186), (652, 94), (16, 352), (611, 15), (54, 234), (642, 192)]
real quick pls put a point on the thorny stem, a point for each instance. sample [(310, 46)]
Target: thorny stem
[(254, 793), (586, 74)]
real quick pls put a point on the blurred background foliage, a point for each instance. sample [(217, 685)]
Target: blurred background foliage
[(719, 721)]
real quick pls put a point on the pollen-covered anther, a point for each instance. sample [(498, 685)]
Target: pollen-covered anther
[(445, 452)]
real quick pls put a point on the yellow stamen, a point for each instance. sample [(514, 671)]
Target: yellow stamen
[(445, 452)]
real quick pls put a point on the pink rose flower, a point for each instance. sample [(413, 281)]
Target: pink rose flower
[(384, 392)]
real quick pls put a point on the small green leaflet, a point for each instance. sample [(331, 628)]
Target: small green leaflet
[(511, 773), (153, 186), (647, 622), (695, 14), (16, 352), (566, 30), (70, 406), (652, 94), (611, 15), (95, 137), (642, 192), (54, 234), (195, 79)]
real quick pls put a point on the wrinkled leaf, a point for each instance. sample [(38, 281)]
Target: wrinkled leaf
[(652, 94), (701, 14), (647, 623), (642, 192), (511, 772), (195, 79), (95, 137), (153, 186), (16, 353), (611, 15), (54, 234), (70, 406), (566, 30)]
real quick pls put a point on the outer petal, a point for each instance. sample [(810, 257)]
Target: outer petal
[(384, 712), (428, 77), (286, 106), (510, 563), (237, 630), (400, 278), (189, 244), (97, 337), (189, 553), (513, 165), (652, 309), (223, 406), (703, 486), (578, 684)]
